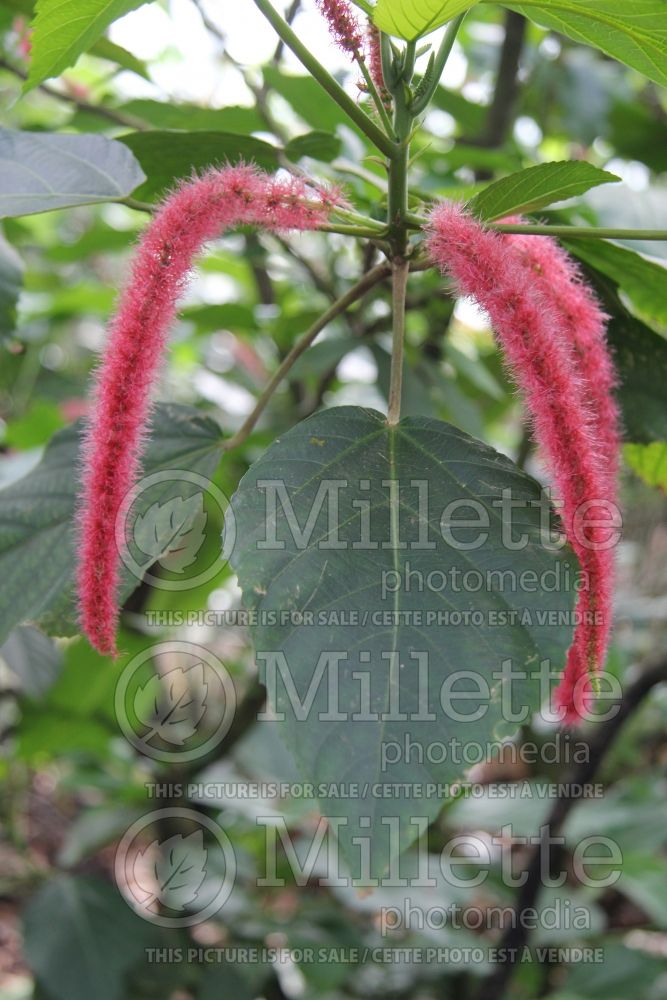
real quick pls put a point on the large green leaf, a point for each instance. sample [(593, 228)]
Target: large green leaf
[(37, 554), (411, 19), (63, 29), (632, 31), (81, 939), (167, 156), (43, 170), (534, 188), (644, 280), (327, 577)]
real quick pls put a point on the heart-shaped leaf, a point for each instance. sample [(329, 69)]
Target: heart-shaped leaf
[(384, 572)]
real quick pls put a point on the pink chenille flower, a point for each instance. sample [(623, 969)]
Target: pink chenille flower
[(343, 25), (554, 365), (196, 212), (559, 279)]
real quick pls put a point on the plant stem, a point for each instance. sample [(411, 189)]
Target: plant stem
[(400, 270), (324, 78), (377, 100), (589, 232), (357, 219), (360, 231), (364, 285), (138, 206), (442, 55)]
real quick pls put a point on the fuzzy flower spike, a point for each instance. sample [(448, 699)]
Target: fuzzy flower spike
[(344, 26), (558, 279), (551, 332), (195, 213)]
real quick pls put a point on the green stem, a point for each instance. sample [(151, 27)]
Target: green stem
[(400, 271), (359, 231), (574, 232), (586, 231), (374, 93), (442, 55), (360, 220), (324, 78), (364, 285)]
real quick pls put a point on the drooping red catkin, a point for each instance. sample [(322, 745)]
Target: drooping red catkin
[(196, 212), (343, 24), (554, 366), (559, 281)]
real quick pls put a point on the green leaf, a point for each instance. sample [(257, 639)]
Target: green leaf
[(63, 29), (81, 938), (644, 280), (649, 462), (37, 555), (33, 659), (534, 188), (633, 32), (643, 880), (34, 427), (192, 117), (640, 355), (11, 282), (105, 49), (165, 157), (313, 574), (410, 19), (44, 170), (318, 145)]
